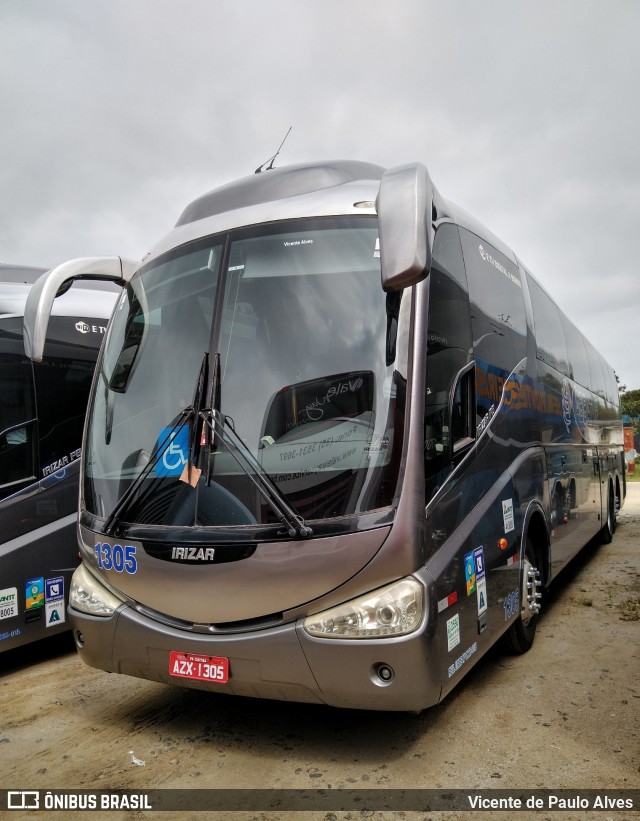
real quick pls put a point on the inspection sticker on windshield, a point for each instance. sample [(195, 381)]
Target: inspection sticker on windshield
[(199, 668)]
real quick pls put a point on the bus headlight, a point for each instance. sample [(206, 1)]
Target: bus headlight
[(390, 611), (87, 595)]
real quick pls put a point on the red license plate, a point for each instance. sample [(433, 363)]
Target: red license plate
[(199, 668)]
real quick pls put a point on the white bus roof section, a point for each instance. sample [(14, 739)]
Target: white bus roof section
[(334, 188), (78, 301), (344, 198), (279, 184)]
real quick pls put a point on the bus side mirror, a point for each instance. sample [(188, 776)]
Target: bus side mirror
[(404, 206), (55, 282)]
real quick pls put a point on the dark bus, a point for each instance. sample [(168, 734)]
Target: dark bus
[(339, 439), (42, 410)]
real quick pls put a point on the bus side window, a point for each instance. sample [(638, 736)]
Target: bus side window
[(463, 411), (62, 381), (498, 315), (446, 413), (551, 345), (17, 415)]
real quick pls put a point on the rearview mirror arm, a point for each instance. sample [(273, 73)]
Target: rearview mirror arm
[(45, 289)]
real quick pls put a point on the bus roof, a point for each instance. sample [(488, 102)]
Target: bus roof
[(331, 188), (278, 184), (19, 273), (338, 187)]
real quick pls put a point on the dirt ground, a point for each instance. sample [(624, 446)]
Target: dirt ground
[(565, 715)]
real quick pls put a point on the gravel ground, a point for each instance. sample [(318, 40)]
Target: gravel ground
[(565, 715)]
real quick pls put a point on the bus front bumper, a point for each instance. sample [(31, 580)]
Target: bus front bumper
[(283, 662)]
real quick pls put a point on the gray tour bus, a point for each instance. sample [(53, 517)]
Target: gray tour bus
[(42, 411), (338, 440)]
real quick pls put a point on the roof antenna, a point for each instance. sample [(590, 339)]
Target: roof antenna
[(272, 159)]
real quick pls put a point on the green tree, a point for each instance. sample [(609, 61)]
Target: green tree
[(630, 403)]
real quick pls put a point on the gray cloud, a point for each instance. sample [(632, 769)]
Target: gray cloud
[(116, 114)]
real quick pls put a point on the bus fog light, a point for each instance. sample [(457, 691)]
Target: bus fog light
[(390, 611), (87, 595), (385, 673)]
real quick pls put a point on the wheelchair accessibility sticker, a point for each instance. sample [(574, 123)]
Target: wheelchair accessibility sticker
[(174, 458)]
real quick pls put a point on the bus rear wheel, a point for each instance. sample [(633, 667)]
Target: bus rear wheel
[(606, 534), (520, 635)]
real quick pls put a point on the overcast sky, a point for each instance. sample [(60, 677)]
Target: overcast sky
[(116, 113)]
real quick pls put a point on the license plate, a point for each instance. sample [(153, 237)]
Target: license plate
[(199, 668)]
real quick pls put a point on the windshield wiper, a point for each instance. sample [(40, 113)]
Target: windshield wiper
[(240, 452), (192, 472), (213, 419), (191, 413), (123, 501), (251, 467)]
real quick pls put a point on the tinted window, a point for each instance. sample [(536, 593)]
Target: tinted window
[(17, 410), (463, 411), (63, 380), (611, 384), (447, 253), (576, 351), (448, 350), (597, 383), (550, 341), (449, 319), (497, 304)]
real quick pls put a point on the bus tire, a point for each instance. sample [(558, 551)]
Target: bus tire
[(609, 528), (522, 632)]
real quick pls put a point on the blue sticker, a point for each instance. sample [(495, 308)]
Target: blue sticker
[(54, 589), (176, 451), (34, 593), (470, 573)]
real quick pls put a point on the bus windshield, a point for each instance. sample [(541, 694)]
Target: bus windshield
[(310, 375)]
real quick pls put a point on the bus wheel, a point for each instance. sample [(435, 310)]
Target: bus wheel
[(606, 534), (520, 635)]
